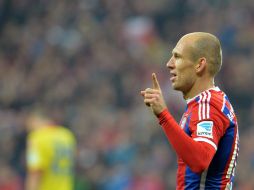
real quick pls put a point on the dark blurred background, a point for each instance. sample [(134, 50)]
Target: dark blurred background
[(85, 62)]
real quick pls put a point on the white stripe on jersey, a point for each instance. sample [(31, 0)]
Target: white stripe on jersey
[(229, 186), (224, 103), (199, 106), (203, 180), (208, 105), (232, 164), (204, 105), (207, 141)]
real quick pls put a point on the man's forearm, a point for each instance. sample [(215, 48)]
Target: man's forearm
[(196, 155)]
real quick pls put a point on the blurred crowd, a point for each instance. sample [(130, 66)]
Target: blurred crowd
[(85, 62)]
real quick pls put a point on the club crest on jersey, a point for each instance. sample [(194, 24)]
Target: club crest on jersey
[(205, 129), (183, 122)]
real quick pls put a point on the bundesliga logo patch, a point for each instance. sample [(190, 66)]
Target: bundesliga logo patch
[(205, 129)]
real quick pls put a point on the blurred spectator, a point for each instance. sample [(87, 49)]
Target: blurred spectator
[(50, 155)]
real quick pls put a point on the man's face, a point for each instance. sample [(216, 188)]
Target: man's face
[(182, 67)]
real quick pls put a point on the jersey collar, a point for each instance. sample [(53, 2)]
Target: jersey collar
[(216, 88)]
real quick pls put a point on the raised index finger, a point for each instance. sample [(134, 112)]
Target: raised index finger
[(156, 84)]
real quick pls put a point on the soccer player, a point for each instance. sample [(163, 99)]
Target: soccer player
[(50, 155), (206, 141)]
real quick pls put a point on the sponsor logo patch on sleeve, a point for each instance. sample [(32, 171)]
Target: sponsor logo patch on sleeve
[(205, 129)]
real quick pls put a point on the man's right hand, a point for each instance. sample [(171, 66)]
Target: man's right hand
[(153, 97)]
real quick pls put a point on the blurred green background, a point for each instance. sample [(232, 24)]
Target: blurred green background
[(85, 62)]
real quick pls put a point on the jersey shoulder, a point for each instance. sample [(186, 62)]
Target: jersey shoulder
[(37, 135), (208, 119), (207, 103), (66, 134), (48, 135), (212, 105)]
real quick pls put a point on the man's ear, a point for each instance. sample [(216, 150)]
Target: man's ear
[(201, 66)]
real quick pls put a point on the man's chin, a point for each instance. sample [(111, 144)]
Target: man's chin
[(175, 87)]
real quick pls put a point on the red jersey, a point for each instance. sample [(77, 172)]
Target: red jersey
[(206, 143)]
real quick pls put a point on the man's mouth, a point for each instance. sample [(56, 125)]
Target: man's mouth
[(172, 77)]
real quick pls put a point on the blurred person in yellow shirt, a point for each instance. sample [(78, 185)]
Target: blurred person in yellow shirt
[(50, 155)]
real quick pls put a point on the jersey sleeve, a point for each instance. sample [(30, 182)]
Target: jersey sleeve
[(35, 155), (197, 155), (207, 125)]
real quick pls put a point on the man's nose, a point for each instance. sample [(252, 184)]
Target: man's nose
[(170, 63)]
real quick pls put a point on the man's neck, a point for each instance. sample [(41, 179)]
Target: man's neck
[(198, 87)]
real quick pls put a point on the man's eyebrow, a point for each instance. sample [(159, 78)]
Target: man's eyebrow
[(174, 52)]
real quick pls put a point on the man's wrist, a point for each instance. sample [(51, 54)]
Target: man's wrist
[(162, 114)]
